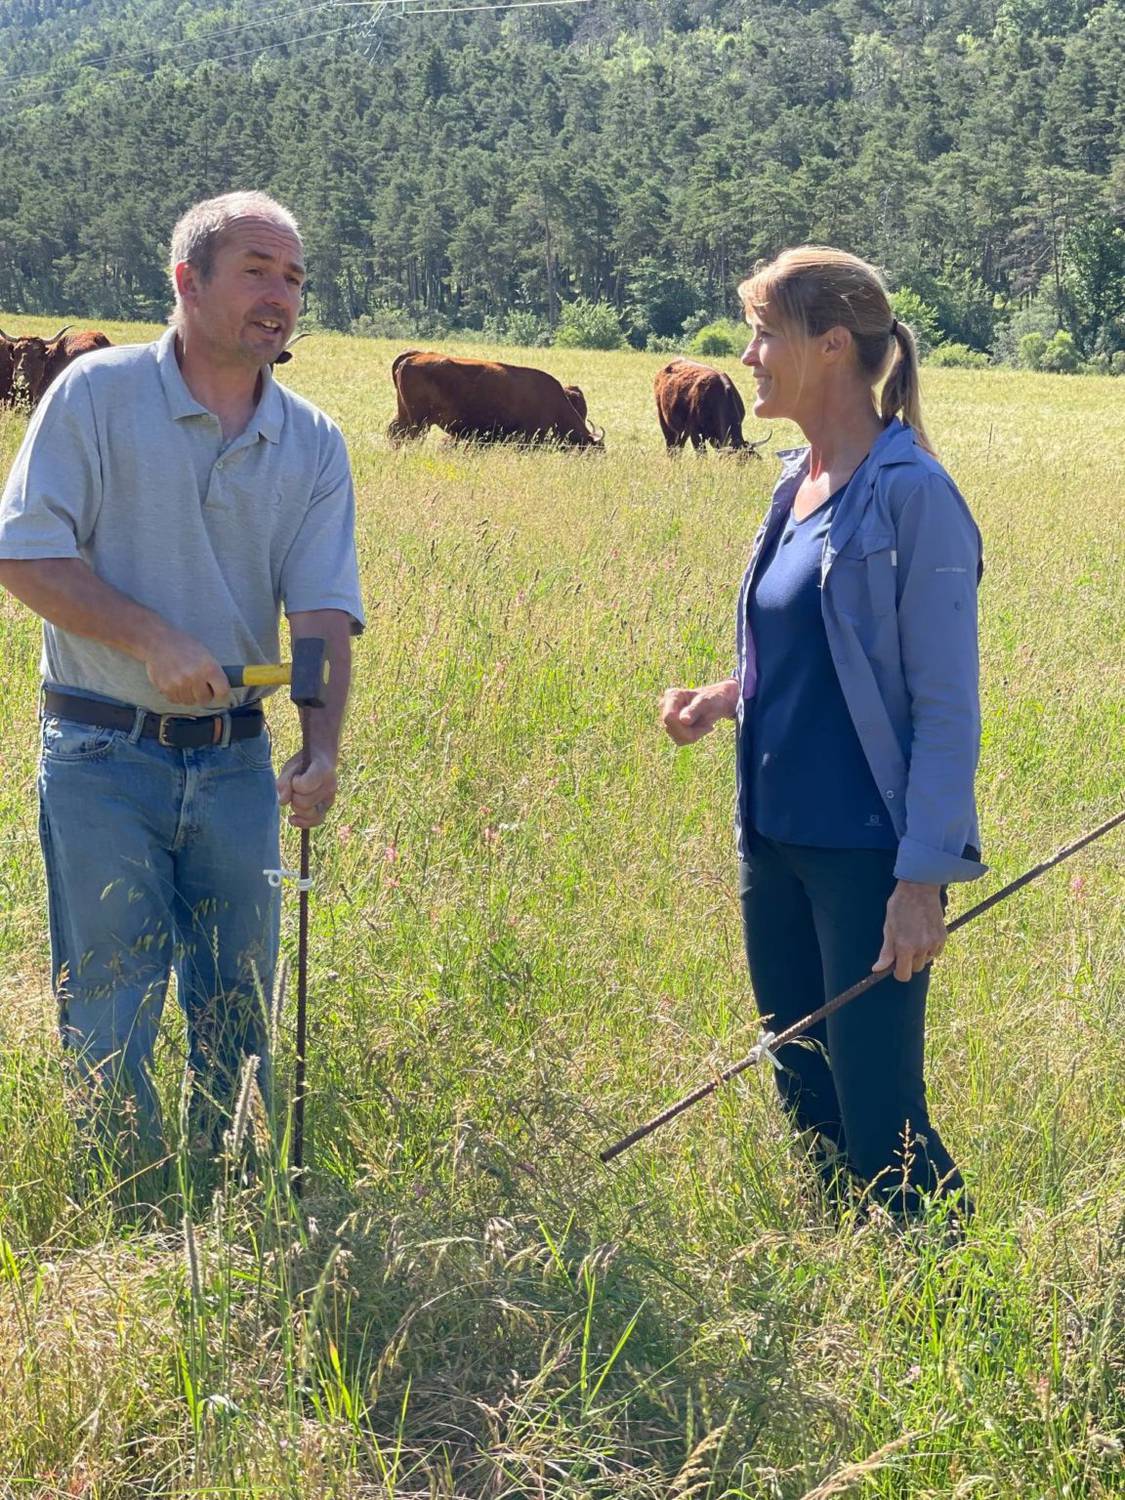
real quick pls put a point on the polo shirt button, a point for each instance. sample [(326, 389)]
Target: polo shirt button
[(890, 796), (219, 465)]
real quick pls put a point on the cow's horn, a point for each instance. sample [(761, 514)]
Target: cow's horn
[(297, 337), (54, 337), (8, 336), (761, 442)]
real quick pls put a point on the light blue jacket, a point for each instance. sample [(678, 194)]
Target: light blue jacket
[(899, 577)]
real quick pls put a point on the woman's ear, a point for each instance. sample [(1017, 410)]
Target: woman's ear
[(836, 343)]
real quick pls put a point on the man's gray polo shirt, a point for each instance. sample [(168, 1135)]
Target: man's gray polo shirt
[(123, 468)]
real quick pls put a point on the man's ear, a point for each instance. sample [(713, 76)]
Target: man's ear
[(187, 282)]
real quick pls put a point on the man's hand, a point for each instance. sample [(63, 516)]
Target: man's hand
[(182, 669), (914, 931), (690, 713), (308, 794)]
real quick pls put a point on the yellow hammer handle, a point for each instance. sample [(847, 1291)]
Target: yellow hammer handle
[(262, 676)]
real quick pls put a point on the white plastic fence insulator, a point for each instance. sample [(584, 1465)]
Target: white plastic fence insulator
[(275, 877), (762, 1048)]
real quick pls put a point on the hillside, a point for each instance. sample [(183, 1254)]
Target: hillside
[(459, 170)]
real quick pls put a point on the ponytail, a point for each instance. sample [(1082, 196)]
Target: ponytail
[(901, 391)]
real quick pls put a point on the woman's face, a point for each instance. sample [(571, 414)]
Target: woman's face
[(783, 366)]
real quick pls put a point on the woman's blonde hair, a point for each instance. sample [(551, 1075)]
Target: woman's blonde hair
[(812, 288)]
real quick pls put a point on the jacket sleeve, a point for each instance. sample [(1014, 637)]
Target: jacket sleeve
[(939, 566)]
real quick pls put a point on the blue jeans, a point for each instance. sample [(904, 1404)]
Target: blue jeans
[(155, 860)]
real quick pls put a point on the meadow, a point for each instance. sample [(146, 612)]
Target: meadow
[(525, 940)]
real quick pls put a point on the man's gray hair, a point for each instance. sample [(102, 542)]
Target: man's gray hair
[(198, 232)]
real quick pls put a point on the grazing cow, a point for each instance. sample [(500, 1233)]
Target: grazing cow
[(700, 405), (44, 360), (485, 401)]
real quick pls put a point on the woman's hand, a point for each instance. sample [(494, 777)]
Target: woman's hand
[(914, 931), (690, 713)]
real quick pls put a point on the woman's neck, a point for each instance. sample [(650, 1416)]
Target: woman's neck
[(840, 430)]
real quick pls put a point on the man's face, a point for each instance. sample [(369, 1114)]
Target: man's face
[(247, 308)]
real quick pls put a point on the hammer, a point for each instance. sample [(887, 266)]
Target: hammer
[(307, 673), (307, 676)]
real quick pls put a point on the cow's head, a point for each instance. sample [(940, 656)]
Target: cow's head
[(286, 354), (573, 394), (33, 360), (750, 450)]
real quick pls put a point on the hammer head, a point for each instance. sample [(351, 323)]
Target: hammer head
[(310, 672)]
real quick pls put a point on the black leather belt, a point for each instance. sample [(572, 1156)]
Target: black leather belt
[(178, 732)]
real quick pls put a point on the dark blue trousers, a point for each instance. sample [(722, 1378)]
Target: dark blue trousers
[(813, 926)]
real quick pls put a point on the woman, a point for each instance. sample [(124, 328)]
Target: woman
[(858, 719)]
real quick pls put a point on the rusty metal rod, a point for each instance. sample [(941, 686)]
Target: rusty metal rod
[(846, 996), (297, 1157)]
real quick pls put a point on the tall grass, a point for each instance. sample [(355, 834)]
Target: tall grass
[(524, 940)]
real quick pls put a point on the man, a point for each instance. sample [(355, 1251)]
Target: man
[(167, 502)]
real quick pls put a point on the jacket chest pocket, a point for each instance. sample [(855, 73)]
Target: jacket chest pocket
[(863, 577)]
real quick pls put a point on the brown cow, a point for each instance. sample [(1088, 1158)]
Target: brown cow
[(44, 360), (700, 405), (484, 401)]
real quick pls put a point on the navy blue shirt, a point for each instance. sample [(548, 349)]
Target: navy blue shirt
[(803, 764)]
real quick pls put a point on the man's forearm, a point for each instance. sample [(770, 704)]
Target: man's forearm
[(324, 726), (65, 592)]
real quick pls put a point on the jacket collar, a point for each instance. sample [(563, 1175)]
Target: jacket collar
[(894, 445)]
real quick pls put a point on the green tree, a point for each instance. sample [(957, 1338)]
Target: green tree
[(1094, 285)]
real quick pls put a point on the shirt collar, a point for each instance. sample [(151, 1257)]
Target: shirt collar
[(268, 414), (181, 402)]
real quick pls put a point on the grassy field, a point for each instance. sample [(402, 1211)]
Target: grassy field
[(525, 940)]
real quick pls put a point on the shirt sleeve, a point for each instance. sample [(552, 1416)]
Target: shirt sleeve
[(53, 494), (939, 565), (321, 570)]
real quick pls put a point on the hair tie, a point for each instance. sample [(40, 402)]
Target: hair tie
[(894, 328)]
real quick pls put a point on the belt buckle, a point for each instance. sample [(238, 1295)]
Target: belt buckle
[(162, 729)]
